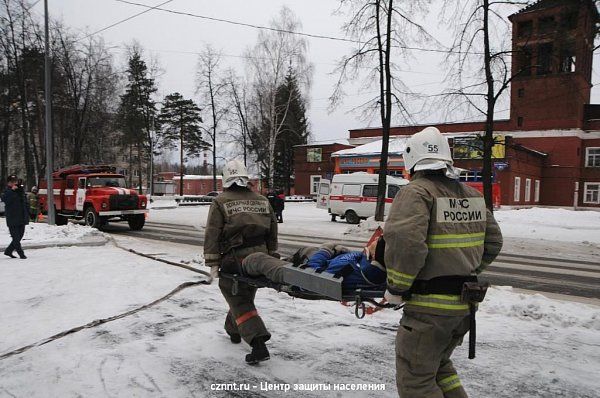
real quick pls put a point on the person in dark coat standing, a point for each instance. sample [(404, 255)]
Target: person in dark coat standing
[(17, 215), (279, 205), (272, 197)]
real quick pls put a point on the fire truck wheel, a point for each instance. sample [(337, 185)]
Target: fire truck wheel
[(136, 222), (352, 217), (91, 218)]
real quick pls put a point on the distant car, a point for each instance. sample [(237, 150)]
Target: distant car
[(1, 208), (214, 193)]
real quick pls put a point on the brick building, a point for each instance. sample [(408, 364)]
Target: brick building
[(313, 162), (551, 151)]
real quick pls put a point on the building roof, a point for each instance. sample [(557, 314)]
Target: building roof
[(545, 4), (339, 141), (530, 150), (396, 147), (197, 177)]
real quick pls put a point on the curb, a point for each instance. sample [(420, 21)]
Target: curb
[(91, 243)]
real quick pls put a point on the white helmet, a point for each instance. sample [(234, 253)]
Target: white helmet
[(235, 173), (428, 150)]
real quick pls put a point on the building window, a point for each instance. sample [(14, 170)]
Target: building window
[(524, 61), (569, 20), (525, 29), (536, 193), (568, 58), (521, 93), (314, 184), (136, 173), (546, 25), (592, 193), (592, 157), (528, 190), (314, 155), (395, 173), (517, 194), (467, 176), (545, 58), (520, 121)]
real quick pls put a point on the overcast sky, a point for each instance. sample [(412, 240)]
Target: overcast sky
[(171, 38)]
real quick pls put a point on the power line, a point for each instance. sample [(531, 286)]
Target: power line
[(150, 8), (262, 27), (248, 25)]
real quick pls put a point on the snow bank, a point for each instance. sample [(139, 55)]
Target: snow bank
[(365, 228), (540, 309), (38, 234), (162, 202), (551, 224)]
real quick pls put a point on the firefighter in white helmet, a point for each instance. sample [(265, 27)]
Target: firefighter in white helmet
[(439, 235), (240, 222)]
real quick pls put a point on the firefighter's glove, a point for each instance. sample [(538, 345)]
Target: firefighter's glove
[(392, 298), (214, 272)]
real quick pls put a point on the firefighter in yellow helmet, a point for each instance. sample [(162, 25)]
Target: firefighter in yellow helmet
[(240, 222), (439, 235)]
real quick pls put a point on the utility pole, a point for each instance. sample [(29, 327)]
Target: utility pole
[(49, 139), (152, 139)]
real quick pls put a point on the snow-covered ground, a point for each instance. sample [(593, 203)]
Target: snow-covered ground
[(40, 235), (305, 218), (529, 345)]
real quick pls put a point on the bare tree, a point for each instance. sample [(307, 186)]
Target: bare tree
[(211, 87), (269, 61), (383, 30), (238, 119), (480, 70), (86, 96)]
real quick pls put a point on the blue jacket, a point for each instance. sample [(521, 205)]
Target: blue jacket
[(16, 211), (361, 273)]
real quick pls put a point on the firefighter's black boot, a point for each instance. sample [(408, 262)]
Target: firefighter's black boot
[(21, 254), (235, 338), (259, 351)]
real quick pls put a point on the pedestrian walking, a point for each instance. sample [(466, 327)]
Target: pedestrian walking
[(17, 215), (279, 205)]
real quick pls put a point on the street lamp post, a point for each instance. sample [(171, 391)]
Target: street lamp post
[(49, 140)]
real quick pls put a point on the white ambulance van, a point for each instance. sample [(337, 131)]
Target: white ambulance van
[(354, 196)]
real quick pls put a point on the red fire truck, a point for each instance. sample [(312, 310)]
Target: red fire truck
[(95, 194)]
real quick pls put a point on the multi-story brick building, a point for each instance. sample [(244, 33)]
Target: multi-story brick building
[(551, 151)]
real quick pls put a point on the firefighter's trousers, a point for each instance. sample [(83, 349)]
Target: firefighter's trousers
[(424, 344), (242, 318)]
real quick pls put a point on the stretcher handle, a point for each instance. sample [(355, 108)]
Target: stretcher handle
[(360, 309)]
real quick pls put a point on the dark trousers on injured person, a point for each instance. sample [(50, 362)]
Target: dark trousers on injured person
[(16, 233), (242, 318)]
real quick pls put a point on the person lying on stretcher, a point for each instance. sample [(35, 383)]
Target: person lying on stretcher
[(358, 268)]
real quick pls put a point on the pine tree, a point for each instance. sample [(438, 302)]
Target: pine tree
[(295, 130), (137, 110), (179, 122)]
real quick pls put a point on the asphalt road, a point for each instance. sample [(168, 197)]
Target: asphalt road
[(552, 275)]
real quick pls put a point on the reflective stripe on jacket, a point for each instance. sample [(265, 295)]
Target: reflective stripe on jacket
[(438, 227)]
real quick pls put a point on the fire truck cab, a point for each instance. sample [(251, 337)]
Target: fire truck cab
[(95, 194)]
